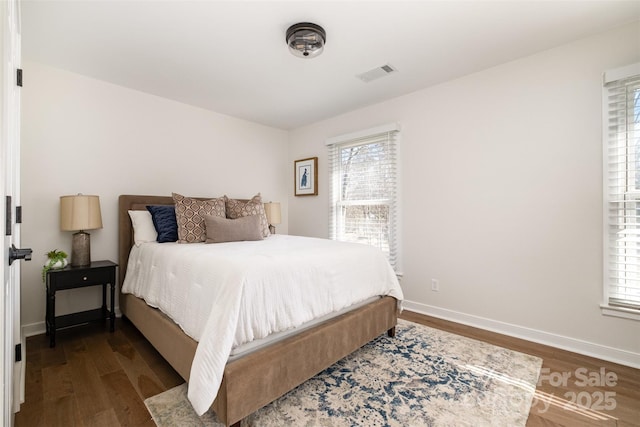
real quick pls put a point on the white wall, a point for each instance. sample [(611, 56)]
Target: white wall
[(81, 135), (502, 195)]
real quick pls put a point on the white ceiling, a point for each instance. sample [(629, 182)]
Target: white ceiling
[(231, 56)]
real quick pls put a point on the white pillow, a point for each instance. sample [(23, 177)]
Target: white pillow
[(143, 228)]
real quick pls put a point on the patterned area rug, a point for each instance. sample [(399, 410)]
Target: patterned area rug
[(422, 377)]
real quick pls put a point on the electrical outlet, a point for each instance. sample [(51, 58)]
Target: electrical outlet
[(435, 285)]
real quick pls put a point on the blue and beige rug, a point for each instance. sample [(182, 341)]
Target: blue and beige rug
[(422, 377)]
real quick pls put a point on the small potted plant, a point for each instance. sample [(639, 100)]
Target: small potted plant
[(55, 259)]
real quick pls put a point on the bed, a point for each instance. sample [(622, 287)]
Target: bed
[(256, 379)]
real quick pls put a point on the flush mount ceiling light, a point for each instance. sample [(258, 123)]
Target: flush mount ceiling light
[(306, 40)]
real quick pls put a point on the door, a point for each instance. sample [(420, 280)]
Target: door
[(11, 392)]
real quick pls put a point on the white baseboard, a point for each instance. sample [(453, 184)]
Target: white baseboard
[(32, 329), (39, 328), (610, 354)]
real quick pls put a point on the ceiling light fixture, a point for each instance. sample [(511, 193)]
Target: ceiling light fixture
[(306, 40)]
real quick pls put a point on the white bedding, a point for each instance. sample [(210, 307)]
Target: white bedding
[(227, 294)]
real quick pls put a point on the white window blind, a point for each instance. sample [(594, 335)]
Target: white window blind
[(622, 186), (364, 189)]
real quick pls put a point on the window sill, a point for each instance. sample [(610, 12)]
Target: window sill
[(625, 313)]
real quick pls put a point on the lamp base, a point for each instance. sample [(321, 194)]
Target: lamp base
[(81, 249)]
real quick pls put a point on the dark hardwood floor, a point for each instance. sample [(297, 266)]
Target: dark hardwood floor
[(92, 378), (96, 378)]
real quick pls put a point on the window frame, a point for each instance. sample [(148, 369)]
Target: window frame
[(610, 78), (393, 201)]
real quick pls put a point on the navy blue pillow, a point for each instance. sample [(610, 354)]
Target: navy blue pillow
[(164, 219)]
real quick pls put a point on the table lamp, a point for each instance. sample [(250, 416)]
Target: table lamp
[(272, 209), (80, 213)]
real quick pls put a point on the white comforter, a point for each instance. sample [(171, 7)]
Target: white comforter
[(227, 294)]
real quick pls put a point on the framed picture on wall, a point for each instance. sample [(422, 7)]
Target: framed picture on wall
[(305, 174)]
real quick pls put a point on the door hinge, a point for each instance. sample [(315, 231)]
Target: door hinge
[(7, 212), (19, 77), (18, 214), (18, 352)]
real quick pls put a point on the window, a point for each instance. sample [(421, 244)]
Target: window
[(364, 189), (621, 135)]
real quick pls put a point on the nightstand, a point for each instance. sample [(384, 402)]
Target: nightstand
[(97, 273)]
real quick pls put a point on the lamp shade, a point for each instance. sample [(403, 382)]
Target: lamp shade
[(80, 212), (272, 209)]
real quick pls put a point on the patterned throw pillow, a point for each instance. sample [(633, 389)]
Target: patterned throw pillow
[(238, 208), (190, 215)]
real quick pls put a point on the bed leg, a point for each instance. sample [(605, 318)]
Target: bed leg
[(392, 332), (236, 424)]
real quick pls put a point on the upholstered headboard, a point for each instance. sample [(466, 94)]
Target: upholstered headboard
[(125, 228)]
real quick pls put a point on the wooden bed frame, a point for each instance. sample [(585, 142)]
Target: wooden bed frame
[(255, 380)]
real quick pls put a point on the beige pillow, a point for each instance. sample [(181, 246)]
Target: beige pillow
[(190, 215), (220, 230), (238, 208)]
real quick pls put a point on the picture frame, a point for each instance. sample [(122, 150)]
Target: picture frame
[(305, 177)]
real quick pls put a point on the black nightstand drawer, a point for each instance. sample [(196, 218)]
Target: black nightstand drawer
[(70, 279)]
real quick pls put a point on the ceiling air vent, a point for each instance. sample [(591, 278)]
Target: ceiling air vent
[(376, 73)]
